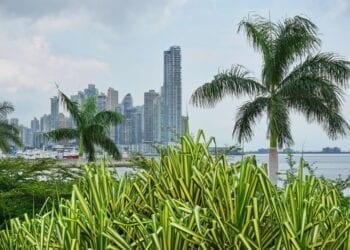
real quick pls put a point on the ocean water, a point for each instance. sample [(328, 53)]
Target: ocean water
[(331, 166)]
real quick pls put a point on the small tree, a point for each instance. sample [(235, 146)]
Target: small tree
[(293, 77), (91, 127)]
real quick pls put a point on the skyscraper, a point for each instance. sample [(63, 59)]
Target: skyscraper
[(101, 102), (91, 91), (112, 102), (54, 113), (149, 98), (35, 125), (136, 125), (171, 117)]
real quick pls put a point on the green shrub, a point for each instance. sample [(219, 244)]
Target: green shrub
[(25, 186), (188, 199)]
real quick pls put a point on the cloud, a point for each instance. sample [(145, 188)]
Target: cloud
[(118, 15)]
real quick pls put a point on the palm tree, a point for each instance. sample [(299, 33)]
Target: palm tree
[(91, 127), (9, 134), (295, 76)]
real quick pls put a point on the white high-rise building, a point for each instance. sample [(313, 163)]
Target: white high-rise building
[(112, 102), (172, 99)]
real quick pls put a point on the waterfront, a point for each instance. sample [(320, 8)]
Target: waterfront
[(329, 165)]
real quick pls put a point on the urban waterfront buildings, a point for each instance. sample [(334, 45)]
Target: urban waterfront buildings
[(158, 121)]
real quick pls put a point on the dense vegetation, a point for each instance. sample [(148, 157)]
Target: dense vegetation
[(186, 200), (295, 76), (25, 186)]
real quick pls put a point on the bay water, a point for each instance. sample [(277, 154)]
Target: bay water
[(331, 166)]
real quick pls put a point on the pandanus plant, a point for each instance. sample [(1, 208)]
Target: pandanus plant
[(295, 77)]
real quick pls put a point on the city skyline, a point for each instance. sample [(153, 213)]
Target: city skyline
[(120, 44), (158, 120)]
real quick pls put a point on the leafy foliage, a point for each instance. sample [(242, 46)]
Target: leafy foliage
[(25, 186), (295, 76), (91, 127), (9, 134), (189, 199)]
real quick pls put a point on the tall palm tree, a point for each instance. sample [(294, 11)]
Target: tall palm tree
[(91, 127), (9, 134), (295, 76)]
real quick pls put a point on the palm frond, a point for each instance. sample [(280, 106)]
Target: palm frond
[(312, 86), (63, 133), (72, 108), (230, 82), (89, 109), (296, 37), (324, 113), (258, 31), (9, 135), (109, 146), (247, 116), (326, 65), (6, 108), (108, 118)]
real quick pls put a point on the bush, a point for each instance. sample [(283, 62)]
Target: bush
[(188, 199), (25, 186)]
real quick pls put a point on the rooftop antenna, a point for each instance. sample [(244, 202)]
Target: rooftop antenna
[(57, 87)]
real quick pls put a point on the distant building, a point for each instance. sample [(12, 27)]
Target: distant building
[(91, 91), (101, 102), (62, 122), (26, 135), (45, 123), (112, 102), (172, 99), (157, 119), (329, 150), (136, 125), (149, 114), (54, 113), (263, 150), (35, 125), (78, 98)]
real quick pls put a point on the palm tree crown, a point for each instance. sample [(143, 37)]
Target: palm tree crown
[(9, 134), (91, 127), (295, 76)]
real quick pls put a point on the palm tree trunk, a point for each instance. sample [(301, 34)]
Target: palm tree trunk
[(81, 146), (273, 159)]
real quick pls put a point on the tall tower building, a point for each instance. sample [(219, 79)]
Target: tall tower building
[(45, 123), (91, 91), (157, 121), (149, 98), (54, 113), (172, 99), (112, 102), (35, 125), (101, 102), (136, 125)]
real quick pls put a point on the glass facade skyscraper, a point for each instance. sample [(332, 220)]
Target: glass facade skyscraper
[(172, 98), (54, 113)]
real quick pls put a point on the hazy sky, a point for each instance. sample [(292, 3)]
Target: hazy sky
[(120, 44)]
